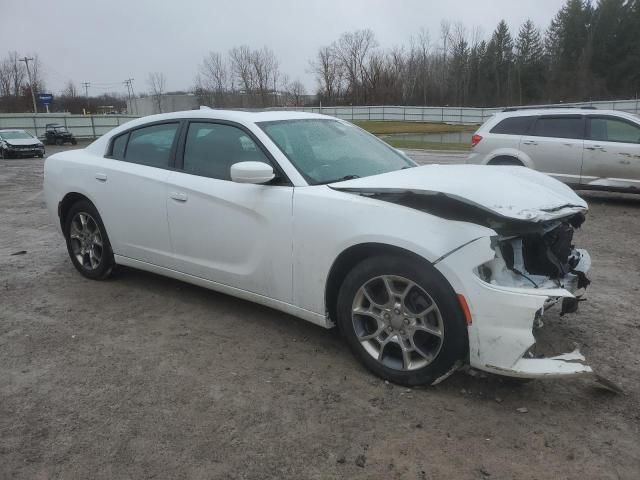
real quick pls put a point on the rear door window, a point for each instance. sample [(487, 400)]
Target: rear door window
[(151, 145), (607, 129), (559, 127), (513, 126)]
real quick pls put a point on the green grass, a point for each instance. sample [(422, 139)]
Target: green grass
[(386, 128), (419, 145)]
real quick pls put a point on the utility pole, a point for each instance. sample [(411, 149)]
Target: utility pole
[(129, 84), (86, 86), (26, 61)]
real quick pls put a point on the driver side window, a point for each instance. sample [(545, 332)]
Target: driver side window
[(211, 148)]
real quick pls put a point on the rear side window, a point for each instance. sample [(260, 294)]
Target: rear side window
[(513, 126), (559, 127), (151, 145), (613, 130), (118, 147)]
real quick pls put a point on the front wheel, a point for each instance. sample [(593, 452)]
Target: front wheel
[(402, 320), (87, 241), (74, 141), (59, 141)]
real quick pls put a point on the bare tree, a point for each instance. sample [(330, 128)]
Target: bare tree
[(352, 50), (265, 68), (328, 71), (242, 68), (213, 77), (157, 83), (297, 92)]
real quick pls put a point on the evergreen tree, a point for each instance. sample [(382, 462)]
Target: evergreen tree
[(529, 63)]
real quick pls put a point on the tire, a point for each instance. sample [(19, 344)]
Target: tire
[(91, 258), (74, 141), (59, 141), (506, 161), (421, 341)]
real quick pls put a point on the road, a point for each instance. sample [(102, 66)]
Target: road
[(147, 377)]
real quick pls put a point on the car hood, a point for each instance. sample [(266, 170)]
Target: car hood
[(517, 193), (23, 141)]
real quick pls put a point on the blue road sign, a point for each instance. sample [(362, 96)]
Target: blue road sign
[(45, 98)]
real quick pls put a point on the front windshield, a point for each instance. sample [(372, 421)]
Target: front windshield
[(326, 151), (15, 135)]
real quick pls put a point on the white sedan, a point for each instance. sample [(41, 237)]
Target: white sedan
[(423, 269)]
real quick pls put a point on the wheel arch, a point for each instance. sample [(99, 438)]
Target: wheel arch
[(513, 153), (67, 202), (348, 259)]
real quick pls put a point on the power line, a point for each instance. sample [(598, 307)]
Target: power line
[(26, 61)]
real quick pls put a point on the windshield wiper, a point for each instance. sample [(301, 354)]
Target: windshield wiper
[(341, 179)]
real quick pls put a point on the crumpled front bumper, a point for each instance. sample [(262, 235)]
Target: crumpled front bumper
[(503, 317)]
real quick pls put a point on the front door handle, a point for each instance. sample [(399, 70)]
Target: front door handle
[(178, 196), (101, 177), (595, 147), (530, 142)]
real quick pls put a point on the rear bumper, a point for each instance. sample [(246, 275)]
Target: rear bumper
[(503, 319)]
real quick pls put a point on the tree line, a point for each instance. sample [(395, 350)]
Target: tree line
[(589, 51)]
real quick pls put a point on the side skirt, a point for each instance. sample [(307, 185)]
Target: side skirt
[(235, 292)]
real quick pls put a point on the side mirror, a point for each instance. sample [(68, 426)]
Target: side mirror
[(251, 172)]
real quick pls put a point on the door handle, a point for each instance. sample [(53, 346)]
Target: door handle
[(530, 142), (101, 177), (625, 162), (178, 196), (595, 147)]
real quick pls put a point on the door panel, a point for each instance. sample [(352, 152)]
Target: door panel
[(555, 147), (612, 154), (131, 199), (232, 233)]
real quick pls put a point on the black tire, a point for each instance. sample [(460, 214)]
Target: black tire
[(104, 267), (453, 344), (59, 141), (506, 161), (74, 141)]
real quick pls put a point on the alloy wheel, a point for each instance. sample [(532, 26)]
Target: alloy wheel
[(397, 322), (86, 240)]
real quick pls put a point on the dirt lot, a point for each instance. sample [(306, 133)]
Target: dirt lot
[(146, 377)]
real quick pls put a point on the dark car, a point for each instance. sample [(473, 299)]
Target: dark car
[(58, 134), (18, 143)]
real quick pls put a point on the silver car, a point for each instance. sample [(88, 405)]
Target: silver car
[(585, 148)]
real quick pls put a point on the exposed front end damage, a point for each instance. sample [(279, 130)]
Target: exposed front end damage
[(510, 279)]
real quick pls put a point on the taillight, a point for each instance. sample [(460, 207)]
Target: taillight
[(475, 140)]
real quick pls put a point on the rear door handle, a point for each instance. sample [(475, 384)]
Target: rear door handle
[(595, 147), (178, 196), (101, 177), (530, 142)]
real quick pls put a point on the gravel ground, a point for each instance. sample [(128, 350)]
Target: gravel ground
[(146, 377)]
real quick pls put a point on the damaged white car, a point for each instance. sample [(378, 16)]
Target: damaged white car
[(423, 268)]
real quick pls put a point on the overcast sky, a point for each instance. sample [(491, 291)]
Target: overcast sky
[(107, 41)]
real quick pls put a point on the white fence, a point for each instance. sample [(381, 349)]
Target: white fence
[(456, 115), (82, 126), (92, 126)]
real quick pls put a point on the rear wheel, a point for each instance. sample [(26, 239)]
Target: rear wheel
[(87, 241), (59, 141), (402, 320), (74, 141)]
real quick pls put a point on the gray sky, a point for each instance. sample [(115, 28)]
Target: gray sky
[(108, 41)]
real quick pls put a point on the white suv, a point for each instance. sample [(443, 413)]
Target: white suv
[(585, 148)]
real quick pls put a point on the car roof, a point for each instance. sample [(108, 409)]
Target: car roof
[(526, 112)]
